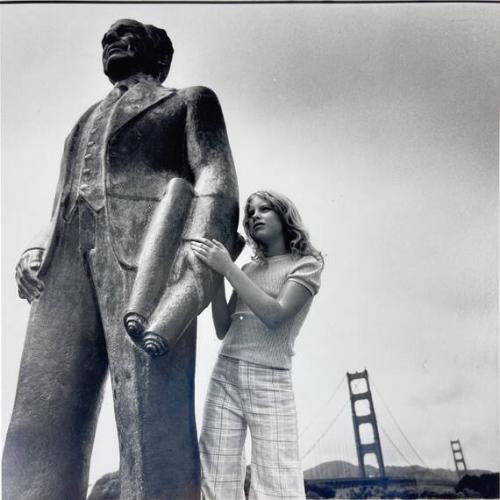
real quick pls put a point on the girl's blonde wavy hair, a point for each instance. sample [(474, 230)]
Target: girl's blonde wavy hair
[(296, 236)]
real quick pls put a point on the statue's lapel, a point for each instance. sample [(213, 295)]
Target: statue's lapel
[(139, 98)]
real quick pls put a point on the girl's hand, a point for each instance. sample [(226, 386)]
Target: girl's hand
[(213, 253)]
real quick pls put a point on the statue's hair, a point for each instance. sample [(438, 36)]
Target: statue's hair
[(296, 236), (162, 51), (158, 48)]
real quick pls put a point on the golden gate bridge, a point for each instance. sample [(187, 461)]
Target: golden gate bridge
[(367, 442)]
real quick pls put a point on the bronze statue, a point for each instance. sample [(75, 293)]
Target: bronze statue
[(143, 171)]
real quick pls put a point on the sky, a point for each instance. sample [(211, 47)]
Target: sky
[(381, 123)]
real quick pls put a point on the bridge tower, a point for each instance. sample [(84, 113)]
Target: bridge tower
[(458, 457), (367, 418)]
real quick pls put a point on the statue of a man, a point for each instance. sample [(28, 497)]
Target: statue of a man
[(119, 161)]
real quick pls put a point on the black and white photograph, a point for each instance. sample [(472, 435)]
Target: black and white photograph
[(250, 250)]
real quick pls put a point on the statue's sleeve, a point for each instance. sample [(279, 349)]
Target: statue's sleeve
[(45, 238), (42, 238), (215, 211), (213, 214)]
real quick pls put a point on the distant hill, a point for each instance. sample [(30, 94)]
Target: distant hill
[(334, 469), (339, 468)]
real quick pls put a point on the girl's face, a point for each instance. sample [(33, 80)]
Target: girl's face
[(264, 223)]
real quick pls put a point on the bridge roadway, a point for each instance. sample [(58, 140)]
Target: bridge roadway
[(352, 482)]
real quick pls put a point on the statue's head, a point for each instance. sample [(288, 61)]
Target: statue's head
[(130, 47)]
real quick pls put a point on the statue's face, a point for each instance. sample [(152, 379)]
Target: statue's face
[(123, 49)]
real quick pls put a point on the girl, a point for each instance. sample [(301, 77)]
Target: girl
[(251, 383)]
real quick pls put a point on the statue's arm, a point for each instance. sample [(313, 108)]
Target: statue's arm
[(211, 162), (208, 152), (214, 214), (215, 211), (29, 284)]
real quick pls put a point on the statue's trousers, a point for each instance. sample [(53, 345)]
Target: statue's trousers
[(75, 334)]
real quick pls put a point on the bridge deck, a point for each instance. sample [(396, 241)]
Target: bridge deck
[(348, 482)]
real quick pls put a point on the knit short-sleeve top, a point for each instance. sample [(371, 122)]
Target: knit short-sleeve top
[(248, 338)]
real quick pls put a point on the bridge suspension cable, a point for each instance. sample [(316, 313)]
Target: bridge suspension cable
[(394, 445), (330, 425), (397, 425), (320, 411)]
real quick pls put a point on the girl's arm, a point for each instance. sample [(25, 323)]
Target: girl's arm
[(221, 311), (272, 311)]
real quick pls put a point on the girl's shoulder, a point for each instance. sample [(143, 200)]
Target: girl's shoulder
[(310, 259), (306, 262), (306, 270), (303, 269)]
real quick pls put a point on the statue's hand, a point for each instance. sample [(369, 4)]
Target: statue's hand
[(28, 284)]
